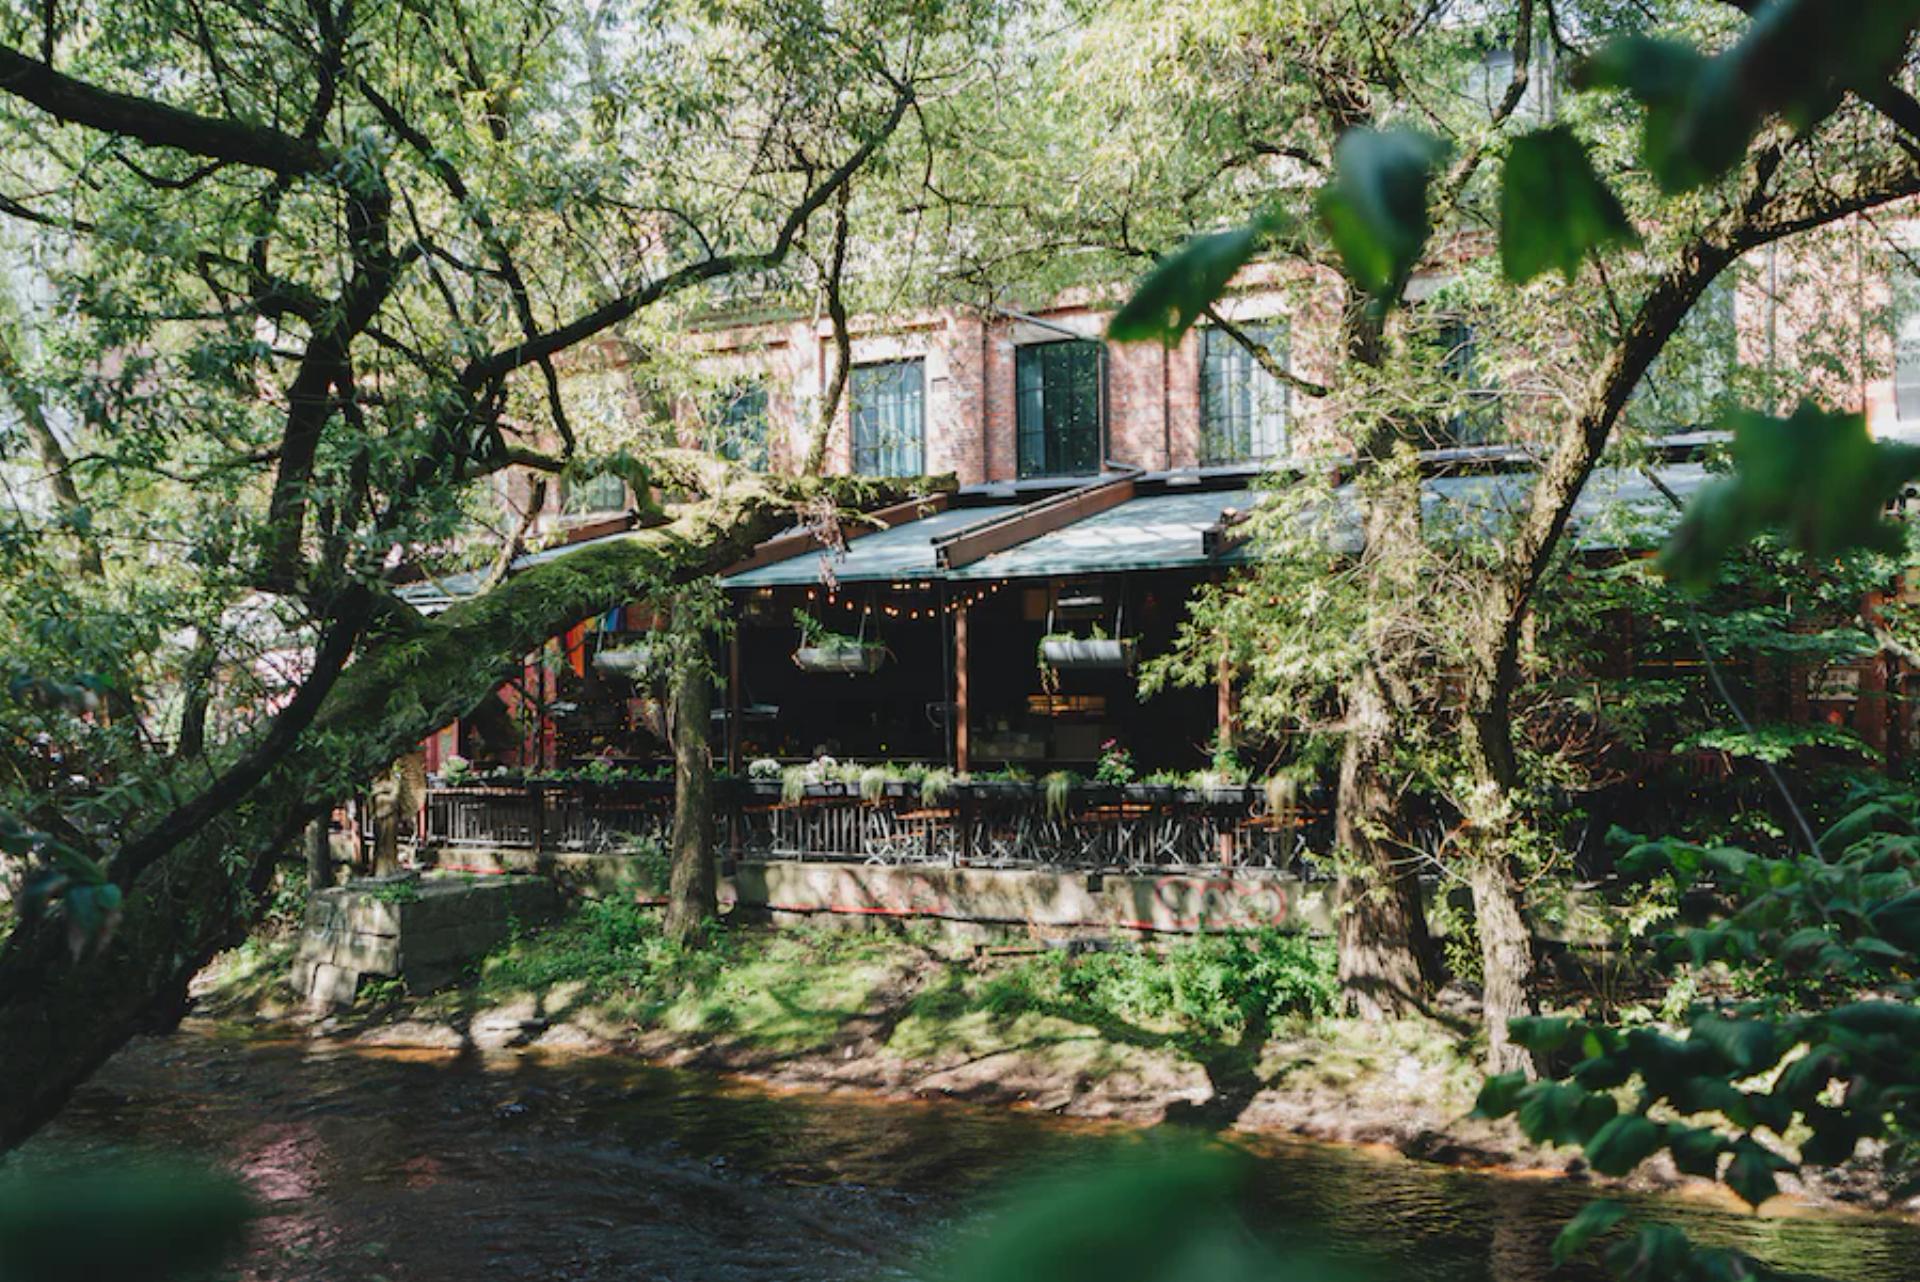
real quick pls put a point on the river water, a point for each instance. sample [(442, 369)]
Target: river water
[(382, 1164)]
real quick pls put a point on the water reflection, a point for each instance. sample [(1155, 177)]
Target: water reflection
[(431, 1166)]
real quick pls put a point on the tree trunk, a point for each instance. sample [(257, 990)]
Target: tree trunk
[(384, 798), (692, 891), (61, 1018), (1506, 941), (1506, 960), (1382, 940), (319, 847)]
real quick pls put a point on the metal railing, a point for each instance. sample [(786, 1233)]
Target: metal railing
[(988, 827)]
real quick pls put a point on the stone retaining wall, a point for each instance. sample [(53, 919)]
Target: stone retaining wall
[(421, 931), (1030, 901)]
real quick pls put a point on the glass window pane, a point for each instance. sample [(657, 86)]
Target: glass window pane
[(1243, 407), (603, 493), (1058, 408), (739, 426), (889, 419), (1906, 347)]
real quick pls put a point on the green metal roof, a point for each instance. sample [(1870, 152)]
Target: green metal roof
[(903, 552), (1158, 532)]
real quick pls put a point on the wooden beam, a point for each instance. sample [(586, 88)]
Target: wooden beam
[(1030, 522), (785, 547), (962, 748), (1232, 529)]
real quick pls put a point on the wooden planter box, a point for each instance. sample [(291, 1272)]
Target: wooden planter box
[(1092, 654), (1001, 791), (1096, 794), (847, 660)]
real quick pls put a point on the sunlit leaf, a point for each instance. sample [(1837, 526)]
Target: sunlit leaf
[(1375, 208), (1817, 477), (1594, 1219), (1554, 210)]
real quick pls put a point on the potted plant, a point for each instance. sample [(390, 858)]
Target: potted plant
[(1010, 784), (822, 650), (763, 778), (1156, 787), (1063, 651)]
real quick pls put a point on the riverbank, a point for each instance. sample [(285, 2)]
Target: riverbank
[(1225, 1032)]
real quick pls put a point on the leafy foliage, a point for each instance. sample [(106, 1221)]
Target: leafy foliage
[(1554, 210), (118, 1216), (1375, 209), (1795, 61), (1743, 1090), (1819, 477)]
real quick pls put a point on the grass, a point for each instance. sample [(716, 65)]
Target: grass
[(1212, 1002), (786, 989)]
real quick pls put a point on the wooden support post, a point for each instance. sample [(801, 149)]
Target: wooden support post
[(733, 742), (1223, 702), (733, 700), (962, 749), (1224, 735)]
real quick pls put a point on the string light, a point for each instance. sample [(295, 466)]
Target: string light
[(966, 601)]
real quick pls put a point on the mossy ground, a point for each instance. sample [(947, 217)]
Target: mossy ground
[(1225, 1030)]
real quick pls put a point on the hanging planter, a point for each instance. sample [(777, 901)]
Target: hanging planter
[(823, 651), (843, 655), (1087, 654), (637, 662)]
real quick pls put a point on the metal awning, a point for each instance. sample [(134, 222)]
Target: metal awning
[(1167, 530), (903, 552), (1156, 532)]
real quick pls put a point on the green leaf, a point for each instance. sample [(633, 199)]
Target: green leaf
[(1540, 1033), (1500, 1095), (1172, 297), (1795, 61), (1594, 1219), (120, 1217), (1554, 210), (1750, 1174), (1746, 1044), (1696, 1149), (1375, 208), (1801, 1082), (1623, 1144), (1818, 477)]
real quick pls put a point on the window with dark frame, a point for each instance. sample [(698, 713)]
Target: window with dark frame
[(1243, 408), (594, 494), (1692, 380), (890, 418), (1479, 422), (739, 425), (1058, 408), (1906, 347)]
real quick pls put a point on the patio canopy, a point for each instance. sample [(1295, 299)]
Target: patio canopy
[(1153, 532), (903, 552), (1165, 528)]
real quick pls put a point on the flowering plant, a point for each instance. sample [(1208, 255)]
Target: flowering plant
[(1116, 765)]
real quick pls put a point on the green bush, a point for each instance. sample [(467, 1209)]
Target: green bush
[(1214, 985), (609, 945)]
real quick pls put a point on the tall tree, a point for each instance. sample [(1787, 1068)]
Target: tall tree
[(303, 282), (1432, 117)]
